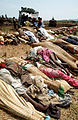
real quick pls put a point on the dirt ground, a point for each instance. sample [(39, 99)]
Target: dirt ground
[(13, 51), (70, 113)]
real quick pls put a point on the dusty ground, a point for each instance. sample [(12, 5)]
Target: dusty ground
[(70, 113), (13, 51)]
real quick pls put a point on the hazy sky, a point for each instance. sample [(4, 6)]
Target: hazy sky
[(59, 9)]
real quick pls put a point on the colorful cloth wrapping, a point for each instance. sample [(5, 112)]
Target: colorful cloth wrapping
[(35, 71), (60, 53), (57, 73), (33, 38), (45, 53)]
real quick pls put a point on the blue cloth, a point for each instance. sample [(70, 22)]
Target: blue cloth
[(50, 92), (47, 118), (35, 24), (74, 37), (72, 41), (42, 26)]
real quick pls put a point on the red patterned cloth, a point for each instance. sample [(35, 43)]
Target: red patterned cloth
[(2, 64), (57, 73), (45, 53)]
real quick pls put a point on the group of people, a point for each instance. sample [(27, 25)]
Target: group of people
[(25, 20)]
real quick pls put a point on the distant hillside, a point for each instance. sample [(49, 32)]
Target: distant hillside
[(73, 19), (68, 20), (64, 23)]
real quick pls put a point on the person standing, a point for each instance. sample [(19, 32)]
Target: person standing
[(14, 22)]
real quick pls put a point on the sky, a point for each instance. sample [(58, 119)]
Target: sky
[(59, 9)]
